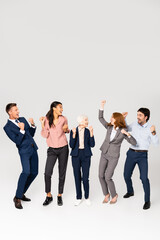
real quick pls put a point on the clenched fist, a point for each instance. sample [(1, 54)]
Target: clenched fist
[(21, 125), (124, 114), (65, 128), (74, 130), (42, 120), (125, 132), (31, 121), (91, 131), (103, 102), (153, 130)]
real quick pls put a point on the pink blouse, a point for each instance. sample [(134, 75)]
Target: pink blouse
[(55, 136)]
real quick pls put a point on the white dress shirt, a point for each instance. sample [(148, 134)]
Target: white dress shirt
[(113, 133)]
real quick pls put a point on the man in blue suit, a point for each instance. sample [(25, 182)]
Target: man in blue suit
[(81, 142), (21, 133)]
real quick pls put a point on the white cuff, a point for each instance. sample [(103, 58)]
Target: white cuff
[(22, 131), (31, 125)]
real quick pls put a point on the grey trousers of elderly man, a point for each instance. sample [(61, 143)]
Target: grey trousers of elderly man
[(106, 170)]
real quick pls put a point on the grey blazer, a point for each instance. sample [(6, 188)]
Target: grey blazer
[(112, 148)]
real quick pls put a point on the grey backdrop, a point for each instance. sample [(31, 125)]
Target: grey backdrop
[(79, 52)]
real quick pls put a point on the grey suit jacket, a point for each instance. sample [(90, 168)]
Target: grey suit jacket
[(112, 148)]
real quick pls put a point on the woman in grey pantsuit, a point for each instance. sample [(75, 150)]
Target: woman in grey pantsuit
[(116, 133)]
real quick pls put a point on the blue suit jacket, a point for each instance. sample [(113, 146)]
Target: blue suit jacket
[(24, 141), (88, 143)]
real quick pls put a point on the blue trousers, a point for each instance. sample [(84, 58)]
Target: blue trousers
[(29, 163), (141, 159), (81, 166)]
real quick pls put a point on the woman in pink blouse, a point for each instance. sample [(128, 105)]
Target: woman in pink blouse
[(54, 127)]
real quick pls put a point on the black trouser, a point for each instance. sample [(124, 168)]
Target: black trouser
[(52, 155)]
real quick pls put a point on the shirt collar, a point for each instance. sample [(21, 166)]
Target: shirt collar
[(80, 129), (144, 125), (115, 129), (12, 120)]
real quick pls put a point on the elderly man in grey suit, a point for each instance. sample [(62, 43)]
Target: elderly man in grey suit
[(116, 133)]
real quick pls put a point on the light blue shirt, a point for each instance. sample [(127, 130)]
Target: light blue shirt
[(143, 135)]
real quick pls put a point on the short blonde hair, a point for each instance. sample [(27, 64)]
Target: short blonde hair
[(80, 118)]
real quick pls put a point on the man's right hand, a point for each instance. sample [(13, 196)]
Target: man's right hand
[(21, 125), (125, 114)]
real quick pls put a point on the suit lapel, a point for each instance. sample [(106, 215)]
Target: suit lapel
[(12, 124), (77, 134)]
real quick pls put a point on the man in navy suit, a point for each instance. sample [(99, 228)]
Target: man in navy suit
[(81, 141), (21, 133)]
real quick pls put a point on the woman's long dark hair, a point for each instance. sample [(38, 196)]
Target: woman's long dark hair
[(49, 115)]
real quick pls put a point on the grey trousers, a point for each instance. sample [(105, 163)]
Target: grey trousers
[(52, 155), (107, 166)]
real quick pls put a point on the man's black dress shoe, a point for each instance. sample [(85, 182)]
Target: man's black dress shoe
[(24, 198), (47, 201), (59, 201), (127, 195), (17, 203), (147, 205)]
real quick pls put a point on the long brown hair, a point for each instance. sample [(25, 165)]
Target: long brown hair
[(119, 120), (49, 115)]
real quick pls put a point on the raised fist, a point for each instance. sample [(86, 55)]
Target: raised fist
[(153, 128), (42, 119), (124, 114), (31, 121), (74, 130)]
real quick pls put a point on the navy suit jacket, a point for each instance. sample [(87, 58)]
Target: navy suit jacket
[(24, 142), (88, 143)]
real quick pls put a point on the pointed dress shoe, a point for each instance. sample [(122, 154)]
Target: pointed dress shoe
[(47, 201), (17, 203), (59, 201), (147, 205), (127, 195), (25, 199)]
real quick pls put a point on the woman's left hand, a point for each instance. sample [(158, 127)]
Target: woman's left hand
[(65, 128), (125, 132)]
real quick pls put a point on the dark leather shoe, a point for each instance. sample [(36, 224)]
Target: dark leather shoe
[(59, 201), (127, 195), (24, 198), (17, 203), (147, 205), (47, 201)]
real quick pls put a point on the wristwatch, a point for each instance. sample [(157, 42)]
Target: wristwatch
[(154, 132)]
